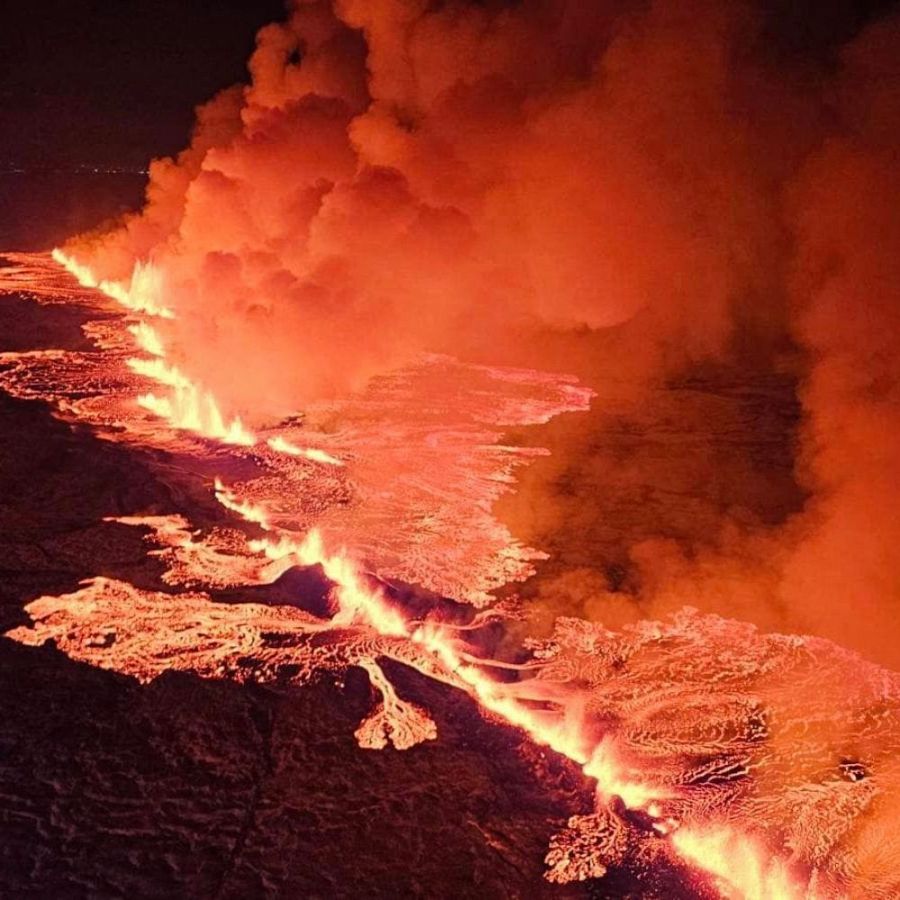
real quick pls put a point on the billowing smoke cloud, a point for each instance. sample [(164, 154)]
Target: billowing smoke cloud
[(641, 193), (400, 177), (766, 489), (844, 574)]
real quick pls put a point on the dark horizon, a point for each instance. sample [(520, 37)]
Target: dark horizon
[(106, 84), (98, 83)]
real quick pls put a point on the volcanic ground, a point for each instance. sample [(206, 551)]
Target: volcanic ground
[(202, 787), (181, 716)]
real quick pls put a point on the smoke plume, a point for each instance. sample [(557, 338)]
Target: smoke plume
[(845, 293), (653, 195)]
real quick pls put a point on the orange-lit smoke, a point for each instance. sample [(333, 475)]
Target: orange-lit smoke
[(830, 567), (398, 178), (630, 190), (846, 301)]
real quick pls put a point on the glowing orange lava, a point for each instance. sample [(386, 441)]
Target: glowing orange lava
[(553, 716), (741, 868), (189, 406), (284, 446)]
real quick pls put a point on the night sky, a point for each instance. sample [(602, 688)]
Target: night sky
[(99, 82), (114, 82)]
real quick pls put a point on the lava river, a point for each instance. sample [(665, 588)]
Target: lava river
[(747, 764)]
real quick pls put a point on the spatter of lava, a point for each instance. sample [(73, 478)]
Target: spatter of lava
[(766, 761)]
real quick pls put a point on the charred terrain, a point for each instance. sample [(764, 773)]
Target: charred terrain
[(271, 720), (191, 786)]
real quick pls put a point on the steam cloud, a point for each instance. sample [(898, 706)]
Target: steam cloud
[(634, 191)]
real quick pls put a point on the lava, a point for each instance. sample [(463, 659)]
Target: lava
[(666, 719), (741, 868), (147, 338), (141, 295), (284, 446), (189, 406)]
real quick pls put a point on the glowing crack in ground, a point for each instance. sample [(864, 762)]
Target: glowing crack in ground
[(766, 761)]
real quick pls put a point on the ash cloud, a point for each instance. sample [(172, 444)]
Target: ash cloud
[(403, 176), (845, 294), (640, 193)]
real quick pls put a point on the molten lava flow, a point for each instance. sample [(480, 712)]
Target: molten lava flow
[(665, 718), (189, 406), (245, 509), (357, 601), (741, 868), (142, 295), (284, 446), (148, 339), (422, 450), (82, 273), (214, 559), (394, 720)]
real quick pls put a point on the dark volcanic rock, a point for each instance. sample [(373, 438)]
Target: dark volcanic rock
[(193, 788), (186, 787)]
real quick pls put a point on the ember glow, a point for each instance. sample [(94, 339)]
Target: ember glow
[(540, 368)]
